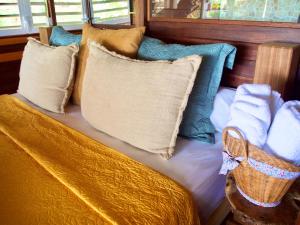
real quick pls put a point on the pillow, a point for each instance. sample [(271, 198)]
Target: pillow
[(46, 74), (123, 41), (60, 37), (135, 101), (220, 115), (196, 123)]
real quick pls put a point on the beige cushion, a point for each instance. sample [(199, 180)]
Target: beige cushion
[(135, 101), (47, 74)]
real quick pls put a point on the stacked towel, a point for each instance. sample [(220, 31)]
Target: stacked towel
[(284, 135), (252, 111)]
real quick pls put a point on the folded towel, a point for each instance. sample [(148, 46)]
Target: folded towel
[(262, 91), (252, 111), (259, 108), (284, 135), (253, 120)]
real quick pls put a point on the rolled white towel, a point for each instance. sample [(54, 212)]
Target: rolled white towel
[(284, 135), (256, 107), (253, 120), (252, 111), (260, 91)]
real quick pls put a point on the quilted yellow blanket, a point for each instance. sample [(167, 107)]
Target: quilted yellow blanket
[(52, 174)]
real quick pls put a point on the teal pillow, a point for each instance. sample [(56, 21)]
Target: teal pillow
[(196, 122), (61, 37)]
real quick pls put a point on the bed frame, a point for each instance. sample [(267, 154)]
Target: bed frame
[(275, 63)]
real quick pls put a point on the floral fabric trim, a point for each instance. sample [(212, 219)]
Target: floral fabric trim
[(263, 204), (273, 171), (230, 163)]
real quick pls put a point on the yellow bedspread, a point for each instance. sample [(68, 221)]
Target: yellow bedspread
[(52, 174)]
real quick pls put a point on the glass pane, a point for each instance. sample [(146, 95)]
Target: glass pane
[(9, 14), (255, 10), (68, 12), (39, 12), (111, 12), (177, 8)]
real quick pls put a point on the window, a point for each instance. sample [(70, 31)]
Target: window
[(111, 11), (22, 16), (9, 14), (69, 12), (252, 10), (25, 16), (39, 12)]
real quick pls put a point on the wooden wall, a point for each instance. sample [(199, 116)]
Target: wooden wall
[(11, 50)]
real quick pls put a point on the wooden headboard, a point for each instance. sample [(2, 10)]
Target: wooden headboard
[(247, 36)]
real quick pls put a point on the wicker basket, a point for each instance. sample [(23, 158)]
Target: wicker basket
[(260, 187)]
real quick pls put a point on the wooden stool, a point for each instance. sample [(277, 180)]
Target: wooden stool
[(246, 213)]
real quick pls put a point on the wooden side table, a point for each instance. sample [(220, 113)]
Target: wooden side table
[(246, 213)]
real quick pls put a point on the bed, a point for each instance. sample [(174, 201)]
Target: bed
[(197, 171)]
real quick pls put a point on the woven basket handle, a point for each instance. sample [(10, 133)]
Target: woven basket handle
[(242, 140)]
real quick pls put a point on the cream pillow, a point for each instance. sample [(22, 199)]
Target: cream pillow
[(47, 74), (135, 101)]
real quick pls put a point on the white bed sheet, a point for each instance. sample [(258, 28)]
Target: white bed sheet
[(195, 165)]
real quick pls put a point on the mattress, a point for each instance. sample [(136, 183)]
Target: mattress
[(195, 165)]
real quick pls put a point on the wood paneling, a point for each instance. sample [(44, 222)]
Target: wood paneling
[(246, 36), (9, 76), (139, 12), (11, 50), (10, 56), (51, 12), (276, 64), (112, 26), (45, 33), (13, 40)]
